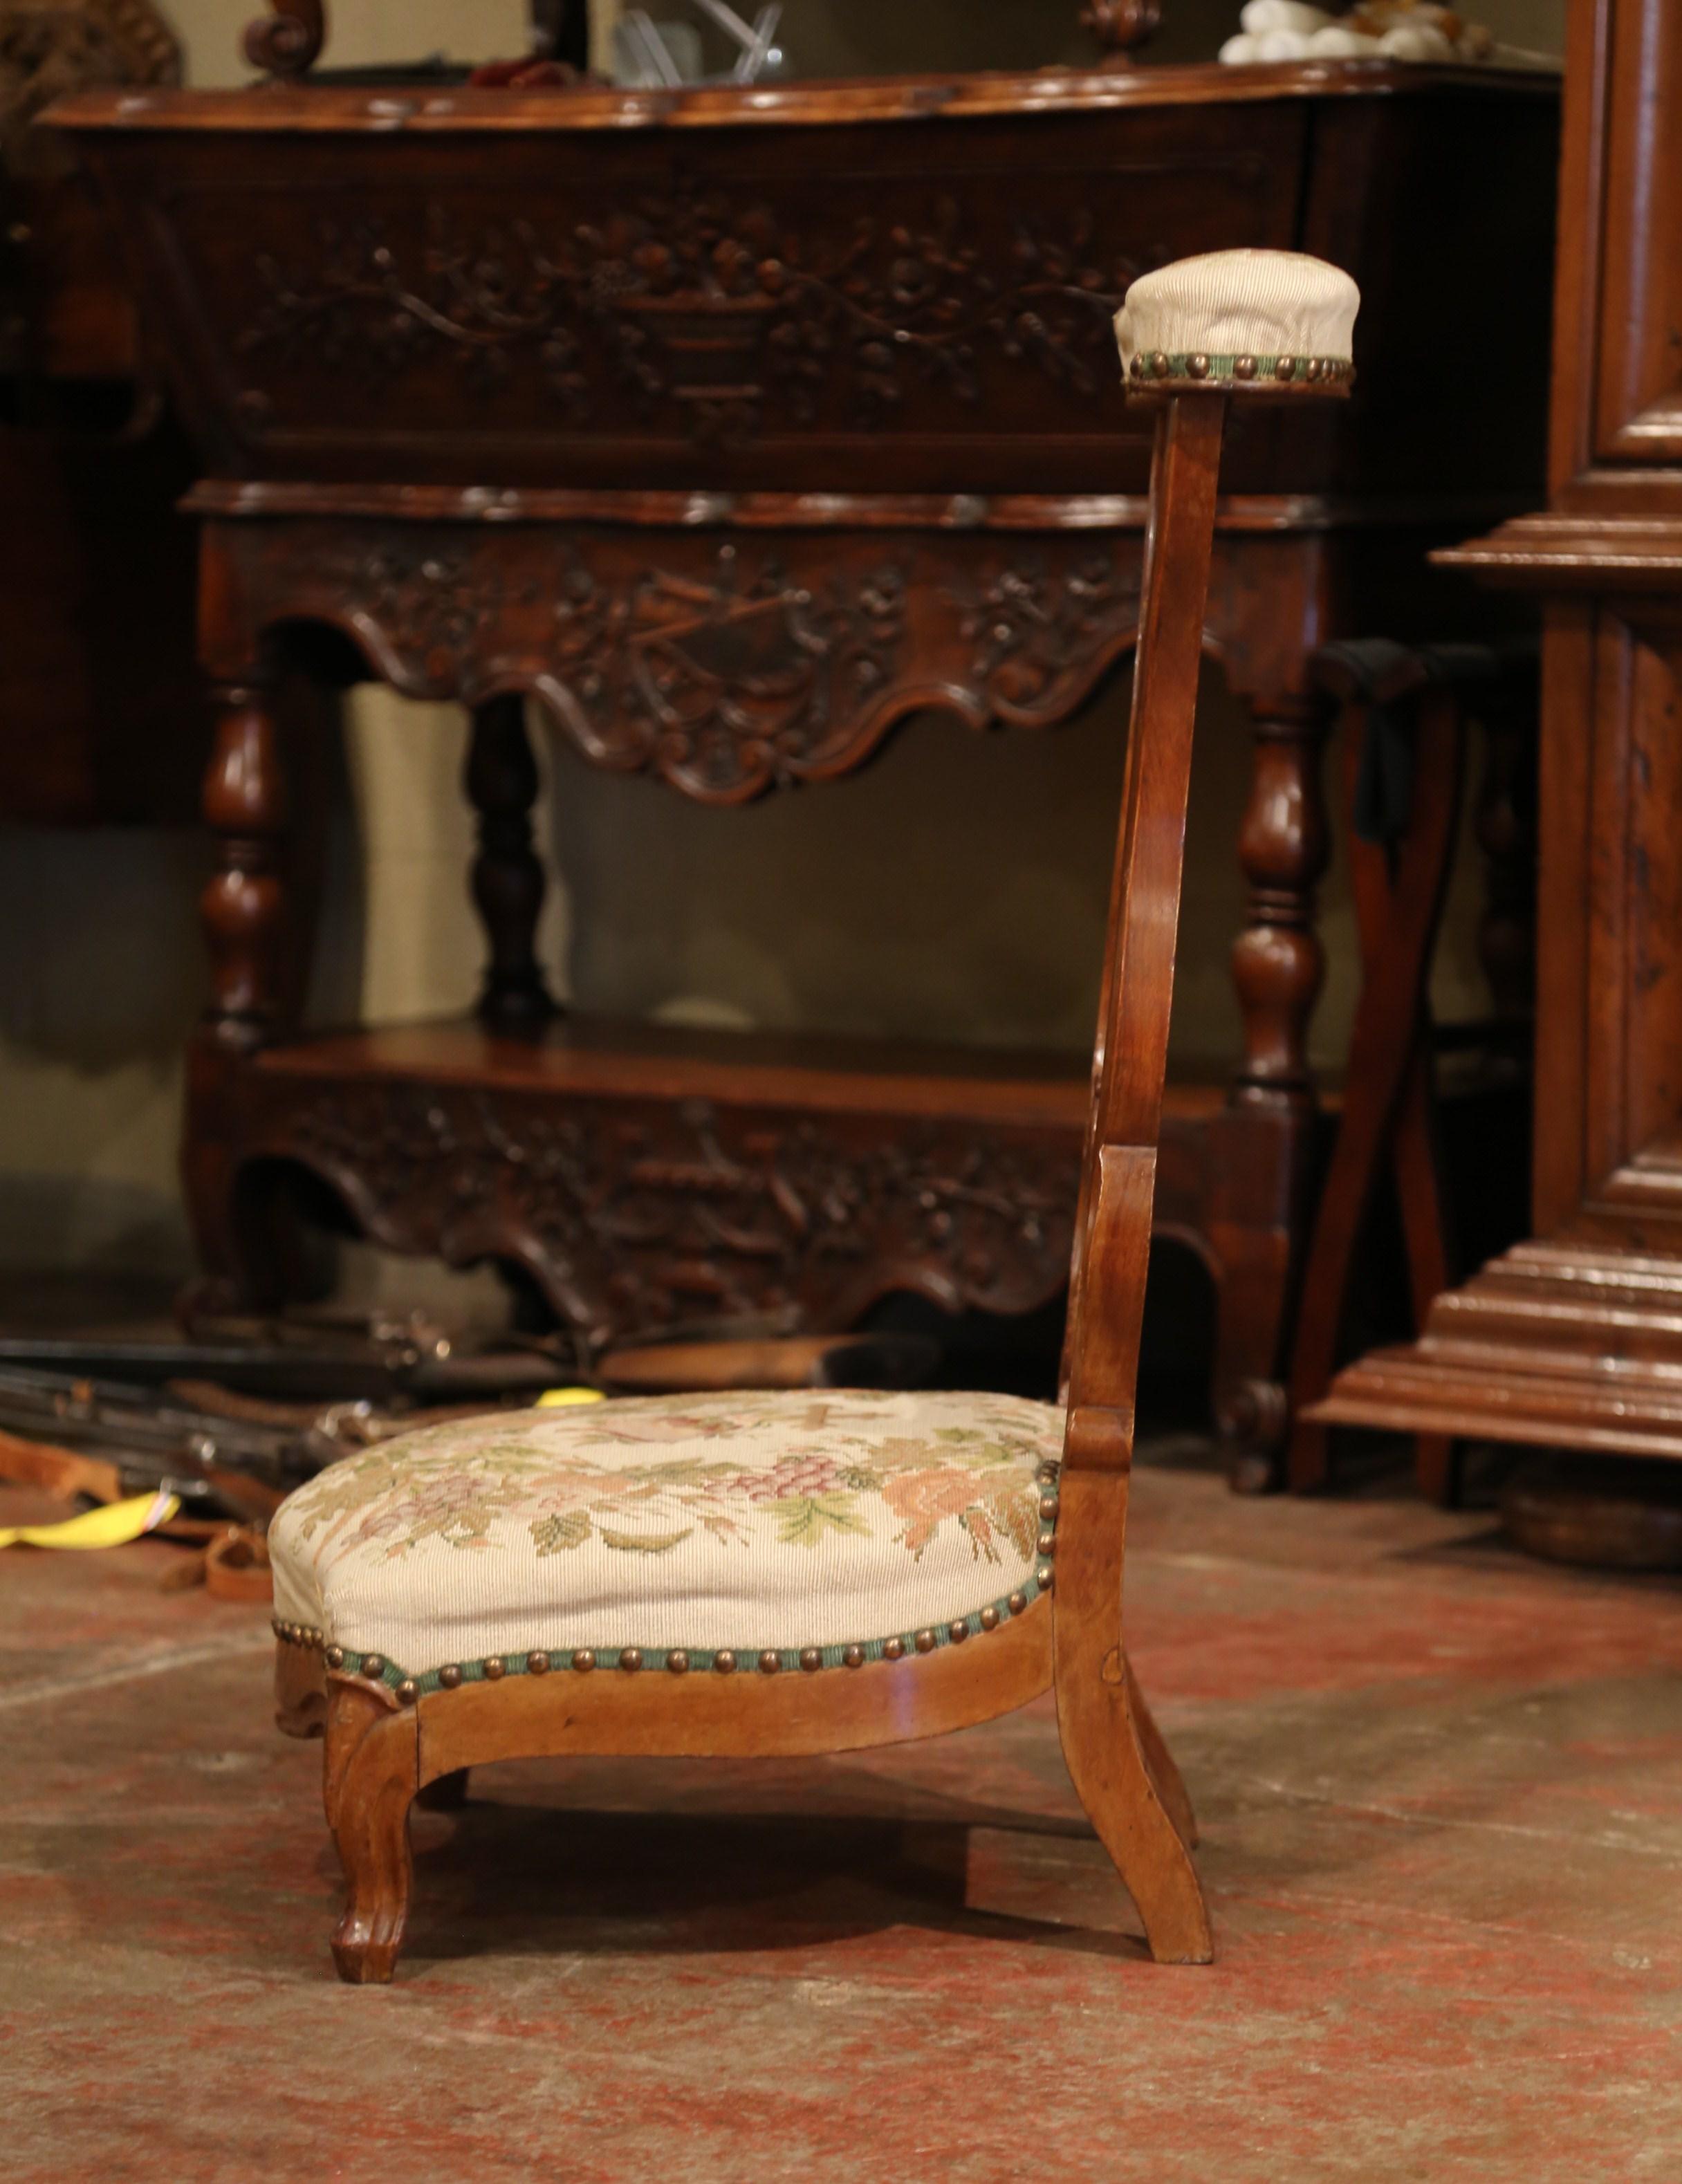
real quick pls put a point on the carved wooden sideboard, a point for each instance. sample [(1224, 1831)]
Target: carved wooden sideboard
[(1574, 1339), (735, 425)]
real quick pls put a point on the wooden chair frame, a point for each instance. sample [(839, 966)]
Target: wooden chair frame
[(384, 1747)]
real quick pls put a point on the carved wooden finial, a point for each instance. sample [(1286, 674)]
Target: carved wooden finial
[(1119, 26), (287, 42)]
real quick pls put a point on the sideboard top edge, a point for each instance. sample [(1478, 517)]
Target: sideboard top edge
[(337, 110)]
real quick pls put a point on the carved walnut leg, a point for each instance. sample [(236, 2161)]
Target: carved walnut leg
[(372, 1765), (243, 907), (1278, 967), (508, 875)]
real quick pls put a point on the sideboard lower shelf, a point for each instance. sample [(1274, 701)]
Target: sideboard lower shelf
[(645, 1176)]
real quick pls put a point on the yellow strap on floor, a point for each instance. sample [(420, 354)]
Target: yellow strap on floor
[(560, 1399), (113, 1526)]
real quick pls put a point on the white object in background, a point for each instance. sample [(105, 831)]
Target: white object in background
[(650, 55), (1260, 16), (1417, 42), (647, 54), (1334, 43), (756, 39), (1289, 30)]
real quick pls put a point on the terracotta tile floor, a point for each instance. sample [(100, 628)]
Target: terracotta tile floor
[(1441, 1790)]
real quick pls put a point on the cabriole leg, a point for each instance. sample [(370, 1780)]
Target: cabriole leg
[(372, 1766)]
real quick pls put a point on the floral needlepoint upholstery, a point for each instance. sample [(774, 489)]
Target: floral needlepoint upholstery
[(699, 1524)]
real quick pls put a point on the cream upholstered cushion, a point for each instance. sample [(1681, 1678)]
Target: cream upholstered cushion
[(742, 1523), (1262, 305)]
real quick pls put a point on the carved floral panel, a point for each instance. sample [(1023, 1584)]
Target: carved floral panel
[(709, 315), (634, 1216), (727, 663)]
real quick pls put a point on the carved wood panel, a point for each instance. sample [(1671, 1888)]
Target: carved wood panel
[(637, 1215), (728, 662), (1627, 1022), (619, 311), (729, 659)]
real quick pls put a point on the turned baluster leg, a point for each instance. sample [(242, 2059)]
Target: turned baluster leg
[(246, 912), (243, 907), (1278, 967), (1284, 842), (509, 879)]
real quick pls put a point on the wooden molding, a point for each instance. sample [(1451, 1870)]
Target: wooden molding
[(1567, 1344)]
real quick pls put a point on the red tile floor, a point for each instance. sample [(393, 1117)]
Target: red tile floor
[(1441, 1793)]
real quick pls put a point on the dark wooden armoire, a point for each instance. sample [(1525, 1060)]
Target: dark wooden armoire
[(1574, 1339)]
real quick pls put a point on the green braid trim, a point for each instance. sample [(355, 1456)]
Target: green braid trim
[(1186, 365)]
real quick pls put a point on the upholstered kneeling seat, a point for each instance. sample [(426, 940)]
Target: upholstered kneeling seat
[(805, 1530), (817, 1572)]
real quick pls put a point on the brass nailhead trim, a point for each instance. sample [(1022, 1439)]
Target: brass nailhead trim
[(1285, 368), (631, 1658), (336, 1656), (1048, 1504), (1198, 366), (1159, 364), (1244, 367)]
